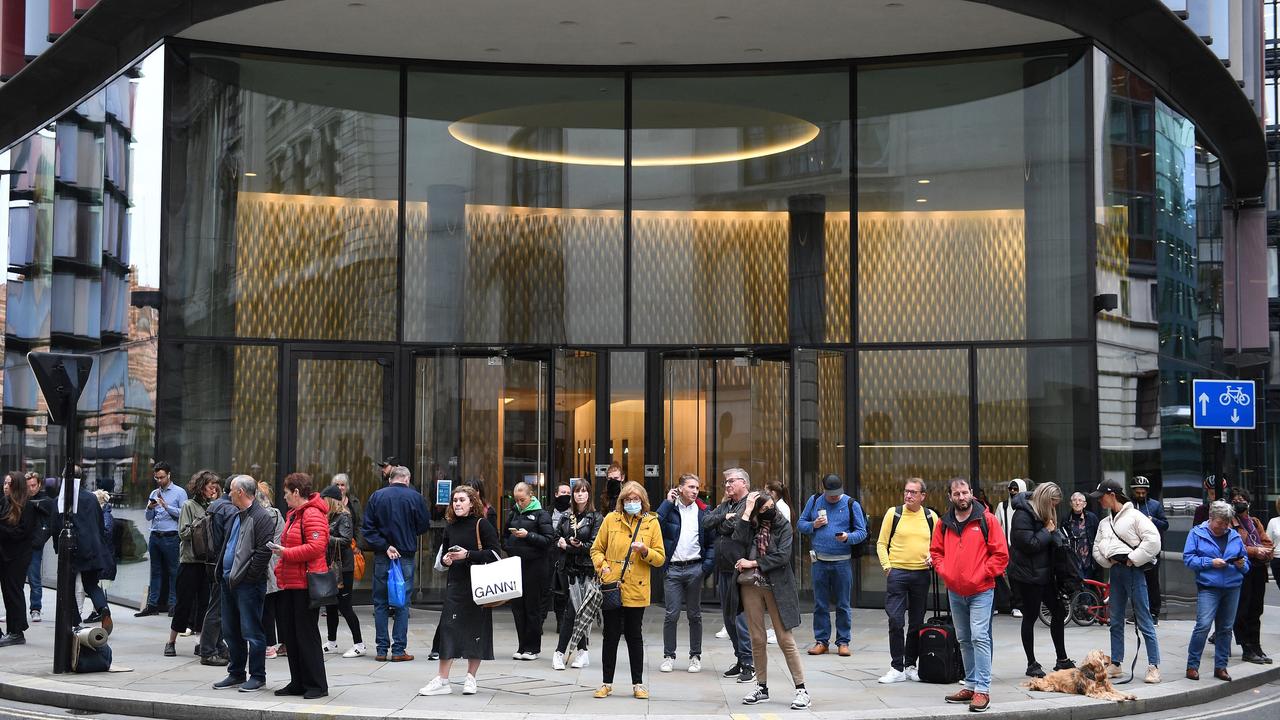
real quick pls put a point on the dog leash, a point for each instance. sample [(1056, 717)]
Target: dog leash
[(1133, 664)]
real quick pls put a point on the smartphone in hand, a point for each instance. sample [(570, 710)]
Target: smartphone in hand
[(274, 545)]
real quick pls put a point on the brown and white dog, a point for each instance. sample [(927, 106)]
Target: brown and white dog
[(1090, 679)]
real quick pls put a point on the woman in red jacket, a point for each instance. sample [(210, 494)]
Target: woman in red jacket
[(302, 550)]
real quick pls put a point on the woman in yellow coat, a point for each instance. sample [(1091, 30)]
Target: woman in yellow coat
[(609, 553)]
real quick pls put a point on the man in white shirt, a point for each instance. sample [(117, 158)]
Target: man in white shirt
[(690, 559)]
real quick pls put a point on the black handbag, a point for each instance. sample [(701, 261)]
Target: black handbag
[(611, 592), (322, 587)]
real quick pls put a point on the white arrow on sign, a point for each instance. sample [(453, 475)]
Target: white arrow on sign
[(1235, 415), (1204, 403)]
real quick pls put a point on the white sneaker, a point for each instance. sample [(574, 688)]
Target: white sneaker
[(557, 661), (1153, 675), (801, 700), (893, 676), (912, 674), (530, 656), (580, 659), (517, 656), (772, 637), (330, 647), (668, 664), (35, 616), (188, 632), (356, 650), (724, 632), (437, 686), (1017, 613), (695, 664), (469, 685)]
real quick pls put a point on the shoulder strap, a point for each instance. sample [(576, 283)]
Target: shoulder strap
[(627, 560), (897, 518)]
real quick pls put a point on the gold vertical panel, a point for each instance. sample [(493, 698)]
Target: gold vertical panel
[(320, 268), (831, 394), (253, 402), (998, 464), (752, 419), (340, 421), (1003, 416), (941, 276), (481, 430)]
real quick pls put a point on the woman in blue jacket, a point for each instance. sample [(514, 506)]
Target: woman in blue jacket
[(1215, 553)]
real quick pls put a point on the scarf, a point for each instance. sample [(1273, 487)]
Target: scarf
[(762, 540)]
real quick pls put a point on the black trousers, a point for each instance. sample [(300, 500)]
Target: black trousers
[(1248, 625), (13, 575), (566, 624), (629, 622), (344, 607), (193, 597), (1033, 596), (1154, 599), (269, 618), (527, 609), (299, 630)]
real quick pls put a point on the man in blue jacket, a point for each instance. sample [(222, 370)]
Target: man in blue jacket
[(691, 557), (394, 517), (836, 523), (1140, 489)]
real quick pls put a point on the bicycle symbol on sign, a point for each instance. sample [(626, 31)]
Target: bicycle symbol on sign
[(1236, 395)]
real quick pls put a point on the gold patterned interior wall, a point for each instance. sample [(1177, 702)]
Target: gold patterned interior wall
[(941, 276), (1004, 419), (339, 421), (320, 268), (831, 407), (707, 277), (753, 419), (254, 411)]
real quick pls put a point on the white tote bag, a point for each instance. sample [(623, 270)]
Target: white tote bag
[(495, 583)]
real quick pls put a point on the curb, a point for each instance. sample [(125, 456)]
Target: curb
[(73, 696)]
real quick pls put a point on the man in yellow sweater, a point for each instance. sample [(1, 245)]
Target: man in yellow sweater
[(903, 548)]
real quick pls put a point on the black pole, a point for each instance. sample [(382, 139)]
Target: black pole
[(68, 615)]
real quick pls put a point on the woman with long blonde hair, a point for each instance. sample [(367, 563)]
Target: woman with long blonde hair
[(1033, 537)]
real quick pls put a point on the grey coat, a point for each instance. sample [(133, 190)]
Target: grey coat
[(775, 564), (251, 556)]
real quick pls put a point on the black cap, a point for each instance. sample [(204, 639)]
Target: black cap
[(331, 491), (388, 460), (831, 484), (1108, 486), (1139, 481)]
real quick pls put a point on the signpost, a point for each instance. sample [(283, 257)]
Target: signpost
[(62, 377), (1223, 404)]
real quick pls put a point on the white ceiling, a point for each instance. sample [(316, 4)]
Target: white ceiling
[(626, 32)]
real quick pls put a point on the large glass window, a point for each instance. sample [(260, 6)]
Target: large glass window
[(971, 200), (282, 210), (740, 196), (513, 224)]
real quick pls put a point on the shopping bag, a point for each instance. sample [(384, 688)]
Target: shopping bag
[(495, 583), (397, 591)]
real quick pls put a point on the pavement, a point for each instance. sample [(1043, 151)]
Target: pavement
[(844, 688)]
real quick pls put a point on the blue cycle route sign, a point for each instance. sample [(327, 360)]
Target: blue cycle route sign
[(1223, 404)]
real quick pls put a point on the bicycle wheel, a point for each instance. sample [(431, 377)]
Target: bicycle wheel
[(1046, 617), (1085, 608)]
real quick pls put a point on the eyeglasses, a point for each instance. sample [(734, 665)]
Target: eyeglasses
[(912, 492), (729, 481)]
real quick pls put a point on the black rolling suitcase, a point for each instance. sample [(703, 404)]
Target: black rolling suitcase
[(939, 660)]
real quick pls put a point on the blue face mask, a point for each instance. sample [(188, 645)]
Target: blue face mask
[(632, 508)]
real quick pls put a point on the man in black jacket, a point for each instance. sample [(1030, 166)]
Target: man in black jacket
[(722, 521), (89, 558), (242, 570), (43, 504)]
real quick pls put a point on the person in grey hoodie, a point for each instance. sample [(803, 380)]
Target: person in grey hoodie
[(242, 583)]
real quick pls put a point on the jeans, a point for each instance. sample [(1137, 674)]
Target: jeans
[(89, 581), (972, 615), (906, 597), (242, 626), (1129, 587), (1216, 607), (400, 625), (735, 623), (35, 580), (1154, 595), (164, 569), (682, 590), (832, 584)]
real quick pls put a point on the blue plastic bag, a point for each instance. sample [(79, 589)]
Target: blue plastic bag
[(397, 592)]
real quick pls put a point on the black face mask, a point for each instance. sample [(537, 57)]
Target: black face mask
[(562, 502), (1240, 507), (767, 514)]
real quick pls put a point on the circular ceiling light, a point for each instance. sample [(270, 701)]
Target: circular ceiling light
[(667, 133)]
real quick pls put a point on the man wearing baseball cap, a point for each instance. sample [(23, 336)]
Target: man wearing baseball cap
[(1127, 541), (1140, 489)]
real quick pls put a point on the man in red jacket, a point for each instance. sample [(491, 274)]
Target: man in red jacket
[(968, 551)]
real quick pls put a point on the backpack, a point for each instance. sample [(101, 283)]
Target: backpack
[(982, 523), (939, 660), (930, 517), (855, 551), (202, 544)]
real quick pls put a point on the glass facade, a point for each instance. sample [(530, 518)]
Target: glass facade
[(879, 270)]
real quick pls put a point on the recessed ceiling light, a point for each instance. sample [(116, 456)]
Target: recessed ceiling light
[(722, 18), (754, 50), (355, 4), (626, 43), (492, 50), (922, 200), (893, 5), (924, 181), (251, 174), (568, 23)]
